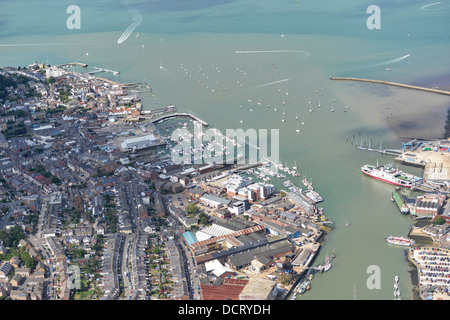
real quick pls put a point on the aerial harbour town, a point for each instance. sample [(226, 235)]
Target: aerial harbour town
[(88, 185), (253, 154)]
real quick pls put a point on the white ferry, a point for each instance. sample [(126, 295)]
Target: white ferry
[(390, 175), (401, 241), (314, 196)]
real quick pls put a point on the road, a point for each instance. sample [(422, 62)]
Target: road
[(5, 218), (191, 275), (50, 282), (126, 272)]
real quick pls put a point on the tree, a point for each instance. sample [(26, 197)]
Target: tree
[(19, 113), (204, 220), (55, 180), (192, 208), (438, 221), (12, 237), (51, 80)]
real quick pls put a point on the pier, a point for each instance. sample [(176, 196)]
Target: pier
[(79, 64), (163, 117), (111, 82), (392, 84), (400, 203), (391, 152), (97, 69)]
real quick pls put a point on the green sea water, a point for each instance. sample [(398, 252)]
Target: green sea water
[(212, 57)]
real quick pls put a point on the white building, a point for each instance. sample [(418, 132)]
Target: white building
[(139, 142), (54, 72), (237, 207), (212, 231), (235, 181)]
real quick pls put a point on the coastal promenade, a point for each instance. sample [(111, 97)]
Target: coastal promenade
[(392, 84)]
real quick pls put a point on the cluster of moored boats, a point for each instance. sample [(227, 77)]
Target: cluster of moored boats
[(206, 150), (267, 163), (305, 284)]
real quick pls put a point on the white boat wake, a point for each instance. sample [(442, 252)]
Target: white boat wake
[(269, 84), (388, 62), (435, 5), (379, 64), (137, 20)]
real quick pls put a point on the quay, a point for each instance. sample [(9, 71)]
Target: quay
[(97, 69), (163, 117), (431, 156), (80, 64), (400, 203), (110, 81), (306, 270), (435, 162), (391, 152), (392, 84)]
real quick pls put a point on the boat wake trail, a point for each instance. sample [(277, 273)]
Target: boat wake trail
[(165, 69), (434, 6), (388, 62), (137, 20), (269, 84), (306, 54), (380, 64)]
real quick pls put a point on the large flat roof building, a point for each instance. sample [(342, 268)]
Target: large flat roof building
[(259, 289), (139, 142), (213, 201)]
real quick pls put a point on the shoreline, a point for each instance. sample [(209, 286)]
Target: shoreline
[(406, 113), (413, 274)]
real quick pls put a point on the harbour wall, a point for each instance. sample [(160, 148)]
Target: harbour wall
[(392, 84)]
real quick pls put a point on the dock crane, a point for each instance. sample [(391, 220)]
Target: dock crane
[(409, 144)]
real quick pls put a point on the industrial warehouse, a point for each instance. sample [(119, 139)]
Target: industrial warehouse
[(139, 142)]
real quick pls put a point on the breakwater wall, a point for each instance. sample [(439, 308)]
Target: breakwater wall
[(392, 84)]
